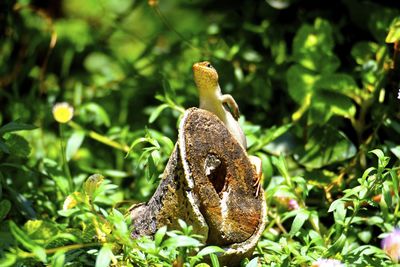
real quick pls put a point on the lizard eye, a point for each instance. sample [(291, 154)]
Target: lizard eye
[(209, 66)]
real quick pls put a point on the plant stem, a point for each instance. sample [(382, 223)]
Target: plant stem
[(101, 138), (64, 159), (66, 248)]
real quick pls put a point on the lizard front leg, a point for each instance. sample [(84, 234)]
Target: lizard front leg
[(230, 101)]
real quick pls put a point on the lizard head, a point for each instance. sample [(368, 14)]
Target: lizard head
[(205, 76)]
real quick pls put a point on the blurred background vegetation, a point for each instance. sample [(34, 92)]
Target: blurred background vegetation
[(315, 81)]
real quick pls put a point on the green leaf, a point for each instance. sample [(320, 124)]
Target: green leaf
[(339, 83), (114, 173), (326, 104), (273, 133), (5, 206), (54, 171), (394, 31), (100, 63), (214, 260), (8, 259), (168, 90), (58, 259), (301, 217), (325, 145), (182, 224), (74, 143), (151, 167), (363, 52), (367, 173), (253, 263), (395, 181), (394, 149), (382, 160), (378, 153), (300, 82), (18, 146), (21, 203), (365, 236), (94, 112), (339, 213), (380, 20), (104, 257), (28, 243), (75, 31), (313, 45), (159, 235), (337, 245), (15, 126), (181, 241), (40, 230), (21, 236), (210, 249), (154, 115)]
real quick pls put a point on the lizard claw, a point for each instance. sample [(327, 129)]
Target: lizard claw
[(257, 184), (257, 165)]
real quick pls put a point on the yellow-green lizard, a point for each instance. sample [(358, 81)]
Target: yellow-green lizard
[(212, 99)]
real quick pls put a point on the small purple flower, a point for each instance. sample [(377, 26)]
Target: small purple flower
[(293, 204), (391, 245), (327, 263), (287, 202)]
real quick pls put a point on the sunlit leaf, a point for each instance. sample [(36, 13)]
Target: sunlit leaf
[(210, 249), (312, 47), (181, 241), (394, 31), (104, 257), (73, 143), (253, 263), (300, 82), (40, 230), (9, 259)]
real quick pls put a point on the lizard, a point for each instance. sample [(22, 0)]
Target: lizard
[(212, 99)]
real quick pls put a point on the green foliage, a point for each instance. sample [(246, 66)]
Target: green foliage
[(318, 94)]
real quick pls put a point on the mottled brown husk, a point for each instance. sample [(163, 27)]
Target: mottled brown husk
[(208, 182)]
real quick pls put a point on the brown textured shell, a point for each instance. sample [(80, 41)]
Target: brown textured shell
[(208, 182)]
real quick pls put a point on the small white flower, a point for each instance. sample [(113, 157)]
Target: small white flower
[(327, 263)]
